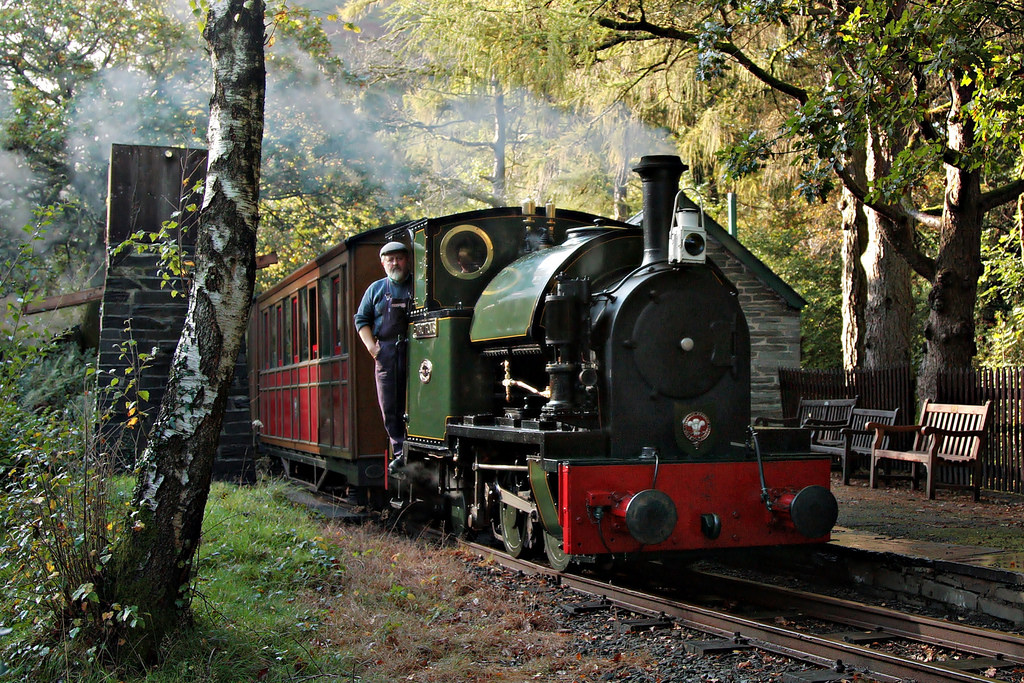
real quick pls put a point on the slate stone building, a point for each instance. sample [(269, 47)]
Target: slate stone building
[(144, 305)]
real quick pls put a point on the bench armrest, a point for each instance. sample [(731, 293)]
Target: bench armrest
[(880, 430), (898, 429)]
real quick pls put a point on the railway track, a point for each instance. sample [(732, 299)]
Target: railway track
[(843, 639)]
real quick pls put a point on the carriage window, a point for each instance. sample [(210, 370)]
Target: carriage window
[(294, 354), (311, 328), (341, 301), (265, 342), (277, 337), (467, 252), (289, 309), (302, 329), (328, 314)]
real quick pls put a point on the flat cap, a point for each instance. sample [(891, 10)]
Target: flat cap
[(392, 247)]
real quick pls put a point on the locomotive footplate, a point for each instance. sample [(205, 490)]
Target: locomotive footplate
[(605, 504), (552, 444)]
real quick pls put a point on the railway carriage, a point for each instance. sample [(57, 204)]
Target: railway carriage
[(577, 385), (312, 387)]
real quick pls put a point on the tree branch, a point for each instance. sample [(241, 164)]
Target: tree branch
[(455, 140), (726, 47), (898, 229), (1002, 195)]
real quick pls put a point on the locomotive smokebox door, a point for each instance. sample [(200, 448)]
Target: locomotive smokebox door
[(677, 364), (677, 351)]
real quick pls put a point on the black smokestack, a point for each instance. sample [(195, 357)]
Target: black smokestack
[(660, 175)]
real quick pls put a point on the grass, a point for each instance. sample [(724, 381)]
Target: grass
[(283, 596)]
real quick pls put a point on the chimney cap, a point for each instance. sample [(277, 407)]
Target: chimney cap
[(668, 162)]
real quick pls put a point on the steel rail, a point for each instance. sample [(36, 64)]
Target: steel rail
[(976, 640), (820, 651)]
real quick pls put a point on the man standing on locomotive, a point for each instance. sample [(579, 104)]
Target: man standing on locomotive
[(381, 321)]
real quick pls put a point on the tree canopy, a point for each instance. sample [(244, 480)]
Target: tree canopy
[(932, 90), (409, 108)]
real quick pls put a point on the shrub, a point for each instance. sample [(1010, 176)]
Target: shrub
[(58, 512)]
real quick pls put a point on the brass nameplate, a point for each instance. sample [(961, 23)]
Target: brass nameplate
[(424, 330)]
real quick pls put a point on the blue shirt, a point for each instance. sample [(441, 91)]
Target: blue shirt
[(371, 308)]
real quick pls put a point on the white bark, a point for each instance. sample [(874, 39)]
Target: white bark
[(153, 565)]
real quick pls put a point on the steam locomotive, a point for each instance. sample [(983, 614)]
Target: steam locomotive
[(577, 385)]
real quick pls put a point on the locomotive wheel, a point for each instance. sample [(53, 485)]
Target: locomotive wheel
[(558, 559), (605, 563), (512, 530)]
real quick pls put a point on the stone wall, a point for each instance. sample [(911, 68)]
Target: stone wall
[(774, 331)]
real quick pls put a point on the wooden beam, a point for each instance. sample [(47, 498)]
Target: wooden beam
[(265, 260), (52, 303)]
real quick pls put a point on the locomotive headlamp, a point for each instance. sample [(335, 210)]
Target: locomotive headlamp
[(687, 242), (694, 244)]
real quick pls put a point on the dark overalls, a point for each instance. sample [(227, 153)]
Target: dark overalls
[(390, 370)]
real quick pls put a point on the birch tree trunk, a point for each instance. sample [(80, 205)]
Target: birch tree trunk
[(152, 567)]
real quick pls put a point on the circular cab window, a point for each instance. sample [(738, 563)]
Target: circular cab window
[(466, 252)]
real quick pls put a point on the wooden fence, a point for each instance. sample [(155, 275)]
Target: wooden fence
[(883, 389), (896, 388), (1004, 460)]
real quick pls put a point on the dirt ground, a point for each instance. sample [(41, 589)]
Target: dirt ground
[(896, 511)]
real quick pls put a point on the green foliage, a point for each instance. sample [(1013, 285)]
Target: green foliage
[(61, 522), (257, 556), (802, 246), (59, 513), (259, 553), (56, 380), (893, 68), (305, 28), (1000, 318)]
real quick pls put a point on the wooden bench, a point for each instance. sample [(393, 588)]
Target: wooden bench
[(855, 440), (833, 411), (946, 433)]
